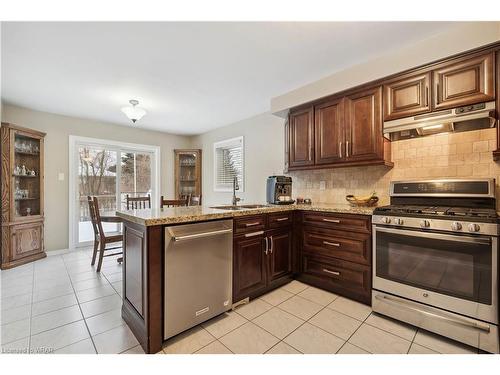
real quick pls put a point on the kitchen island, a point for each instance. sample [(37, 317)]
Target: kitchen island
[(143, 253)]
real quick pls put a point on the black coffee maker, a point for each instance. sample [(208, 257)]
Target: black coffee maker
[(279, 190)]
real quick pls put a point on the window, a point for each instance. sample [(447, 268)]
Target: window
[(228, 164)]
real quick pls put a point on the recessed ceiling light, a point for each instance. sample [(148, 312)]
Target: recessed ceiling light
[(133, 112)]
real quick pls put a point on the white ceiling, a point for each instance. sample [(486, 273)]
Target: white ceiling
[(190, 77)]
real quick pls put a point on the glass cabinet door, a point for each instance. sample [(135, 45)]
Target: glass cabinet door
[(188, 174), (26, 176)]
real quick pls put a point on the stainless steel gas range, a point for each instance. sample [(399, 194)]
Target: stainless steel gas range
[(435, 251)]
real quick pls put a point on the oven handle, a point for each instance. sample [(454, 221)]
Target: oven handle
[(463, 322), (438, 236)]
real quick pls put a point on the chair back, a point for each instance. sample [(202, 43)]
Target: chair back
[(95, 216), (195, 200), (173, 202), (138, 202)]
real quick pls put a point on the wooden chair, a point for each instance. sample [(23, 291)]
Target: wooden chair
[(173, 202), (101, 239), (138, 202), (195, 200)]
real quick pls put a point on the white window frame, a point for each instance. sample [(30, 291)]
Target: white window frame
[(225, 143), (74, 143)]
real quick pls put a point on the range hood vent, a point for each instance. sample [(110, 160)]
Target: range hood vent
[(472, 117)]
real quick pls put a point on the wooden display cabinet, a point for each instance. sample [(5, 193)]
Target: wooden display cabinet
[(187, 173), (22, 195)]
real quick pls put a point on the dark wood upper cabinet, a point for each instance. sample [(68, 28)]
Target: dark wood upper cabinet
[(467, 81), (301, 141), (329, 132), (407, 97), (280, 252), (363, 125)]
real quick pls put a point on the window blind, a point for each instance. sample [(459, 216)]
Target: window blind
[(228, 164)]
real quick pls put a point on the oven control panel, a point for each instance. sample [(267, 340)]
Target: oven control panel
[(437, 224)]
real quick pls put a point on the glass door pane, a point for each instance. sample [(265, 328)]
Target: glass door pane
[(96, 177), (187, 175), (135, 176)]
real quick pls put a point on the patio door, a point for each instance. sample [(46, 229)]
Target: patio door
[(110, 171)]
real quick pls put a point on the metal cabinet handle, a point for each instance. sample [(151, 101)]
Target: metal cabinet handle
[(271, 244), (282, 219), (331, 220), (331, 243), (340, 149), (267, 245), (347, 149), (201, 235), (253, 234), (252, 224), (427, 96), (336, 273)]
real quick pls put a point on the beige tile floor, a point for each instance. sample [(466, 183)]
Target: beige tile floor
[(61, 305)]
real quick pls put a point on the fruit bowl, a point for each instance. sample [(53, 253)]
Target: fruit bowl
[(366, 201)]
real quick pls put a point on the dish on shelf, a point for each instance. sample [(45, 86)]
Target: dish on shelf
[(366, 201)]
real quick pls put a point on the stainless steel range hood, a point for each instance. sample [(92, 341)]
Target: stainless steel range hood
[(472, 117)]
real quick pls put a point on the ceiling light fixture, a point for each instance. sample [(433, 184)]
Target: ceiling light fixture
[(134, 113)]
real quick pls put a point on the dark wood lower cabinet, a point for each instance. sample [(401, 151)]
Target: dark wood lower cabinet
[(280, 254)]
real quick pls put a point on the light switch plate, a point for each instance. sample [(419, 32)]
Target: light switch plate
[(60, 176)]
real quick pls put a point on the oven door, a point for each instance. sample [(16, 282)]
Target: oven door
[(454, 272)]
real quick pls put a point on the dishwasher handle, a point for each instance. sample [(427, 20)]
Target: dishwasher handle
[(200, 235)]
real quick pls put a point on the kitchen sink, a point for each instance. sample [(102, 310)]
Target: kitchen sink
[(242, 207)]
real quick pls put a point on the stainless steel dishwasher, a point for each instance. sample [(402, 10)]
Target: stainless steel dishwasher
[(198, 273)]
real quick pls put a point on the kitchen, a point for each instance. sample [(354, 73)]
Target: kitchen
[(357, 215)]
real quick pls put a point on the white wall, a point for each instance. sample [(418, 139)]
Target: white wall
[(58, 129), (264, 156), (459, 39)]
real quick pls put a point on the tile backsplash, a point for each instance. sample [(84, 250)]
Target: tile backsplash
[(453, 155)]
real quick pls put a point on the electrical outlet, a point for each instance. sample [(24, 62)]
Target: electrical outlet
[(60, 176)]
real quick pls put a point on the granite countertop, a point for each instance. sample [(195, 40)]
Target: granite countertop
[(175, 215)]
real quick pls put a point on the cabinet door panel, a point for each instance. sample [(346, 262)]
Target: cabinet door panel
[(27, 240), (407, 97), (249, 266), (464, 82), (301, 138), (364, 125), (329, 132), (280, 254)]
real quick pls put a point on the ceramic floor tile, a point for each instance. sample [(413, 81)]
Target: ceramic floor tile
[(114, 277), (104, 322), (300, 307), (214, 348), (15, 301), (276, 297), (335, 323), (15, 331), (54, 304), (253, 309), (95, 293), (318, 296), (310, 339), (249, 339), (21, 346), (278, 322), (90, 284), (82, 347), (351, 308), (441, 344), (51, 283), (419, 349), (395, 327), (54, 292), (55, 319), (84, 276), (135, 350), (351, 349), (295, 287), (118, 286), (115, 341), (223, 324), (60, 337), (15, 314), (376, 341), (15, 290), (188, 342), (282, 348), (101, 305)]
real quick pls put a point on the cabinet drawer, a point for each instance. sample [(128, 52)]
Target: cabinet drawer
[(344, 277), (353, 247), (26, 240), (252, 223), (280, 219), (358, 223)]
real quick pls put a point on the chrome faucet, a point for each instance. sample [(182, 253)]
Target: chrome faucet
[(235, 187)]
